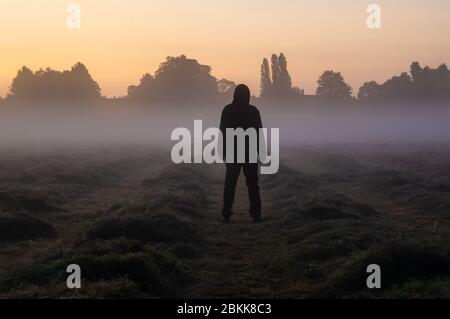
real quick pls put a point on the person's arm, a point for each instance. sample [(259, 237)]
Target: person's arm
[(223, 130), (259, 121), (261, 140)]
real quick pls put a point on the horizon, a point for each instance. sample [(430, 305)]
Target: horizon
[(340, 41)]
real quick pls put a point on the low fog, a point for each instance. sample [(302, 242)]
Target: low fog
[(130, 124)]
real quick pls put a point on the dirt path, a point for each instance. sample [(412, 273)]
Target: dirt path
[(240, 254)]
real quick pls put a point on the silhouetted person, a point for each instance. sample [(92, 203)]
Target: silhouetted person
[(240, 114)]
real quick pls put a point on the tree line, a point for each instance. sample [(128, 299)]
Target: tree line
[(181, 79), (419, 82)]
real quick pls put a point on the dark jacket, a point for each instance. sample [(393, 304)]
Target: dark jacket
[(240, 114)]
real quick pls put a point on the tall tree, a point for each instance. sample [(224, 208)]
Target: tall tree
[(332, 85), (284, 78), (266, 82), (277, 82), (275, 72)]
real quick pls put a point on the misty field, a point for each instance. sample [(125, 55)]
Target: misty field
[(141, 227)]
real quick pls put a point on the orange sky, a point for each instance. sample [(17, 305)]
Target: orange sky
[(121, 40)]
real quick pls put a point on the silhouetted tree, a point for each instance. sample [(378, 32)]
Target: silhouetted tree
[(416, 73), (298, 91), (369, 91), (23, 85), (284, 78), (430, 82), (226, 87), (398, 87), (266, 82), (420, 83), (332, 85), (185, 78), (277, 82), (81, 83), (49, 84), (144, 90), (275, 73), (443, 80), (177, 79)]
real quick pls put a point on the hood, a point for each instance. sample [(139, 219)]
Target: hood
[(241, 95)]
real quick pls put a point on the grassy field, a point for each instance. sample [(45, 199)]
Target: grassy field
[(141, 227)]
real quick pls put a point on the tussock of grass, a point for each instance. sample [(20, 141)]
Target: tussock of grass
[(24, 202), (336, 207), (118, 268), (400, 263), (117, 288), (136, 267), (24, 228), (153, 228), (289, 179)]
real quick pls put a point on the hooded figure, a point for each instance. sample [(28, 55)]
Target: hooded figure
[(241, 114)]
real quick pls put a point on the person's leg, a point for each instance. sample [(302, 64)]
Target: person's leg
[(231, 179), (252, 178)]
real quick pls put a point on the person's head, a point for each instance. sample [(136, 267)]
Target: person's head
[(241, 95)]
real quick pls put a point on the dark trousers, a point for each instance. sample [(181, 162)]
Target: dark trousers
[(251, 176)]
